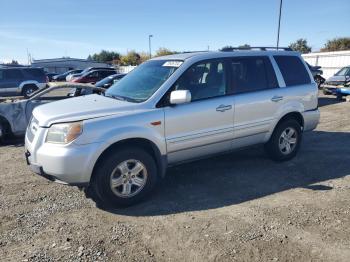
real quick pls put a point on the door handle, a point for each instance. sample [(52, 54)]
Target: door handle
[(223, 108), (276, 98)]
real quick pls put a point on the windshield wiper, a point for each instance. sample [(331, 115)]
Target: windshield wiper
[(123, 98)]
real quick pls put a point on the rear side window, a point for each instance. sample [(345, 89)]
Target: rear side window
[(252, 74), (35, 72), (293, 70), (12, 74)]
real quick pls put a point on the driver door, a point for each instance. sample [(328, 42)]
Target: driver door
[(205, 125)]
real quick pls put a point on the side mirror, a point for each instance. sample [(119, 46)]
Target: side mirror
[(180, 97)]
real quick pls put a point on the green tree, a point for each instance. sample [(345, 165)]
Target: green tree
[(144, 56), (301, 46), (13, 62), (226, 48), (245, 46), (164, 51), (230, 47), (105, 57), (131, 58), (337, 44)]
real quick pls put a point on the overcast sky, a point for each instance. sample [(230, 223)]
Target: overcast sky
[(56, 28)]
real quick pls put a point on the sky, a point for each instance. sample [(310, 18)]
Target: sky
[(77, 28)]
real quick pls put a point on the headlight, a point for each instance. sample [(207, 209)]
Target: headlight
[(64, 133)]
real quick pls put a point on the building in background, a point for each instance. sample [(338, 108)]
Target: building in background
[(61, 65), (331, 62)]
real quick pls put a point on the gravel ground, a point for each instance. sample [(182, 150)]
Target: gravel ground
[(236, 207)]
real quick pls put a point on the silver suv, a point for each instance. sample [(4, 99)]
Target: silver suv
[(172, 109)]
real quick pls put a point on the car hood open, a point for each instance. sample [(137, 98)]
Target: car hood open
[(81, 108)]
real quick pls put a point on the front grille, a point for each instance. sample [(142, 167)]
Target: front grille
[(335, 83)]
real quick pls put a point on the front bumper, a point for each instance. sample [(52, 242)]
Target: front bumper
[(72, 164), (336, 90)]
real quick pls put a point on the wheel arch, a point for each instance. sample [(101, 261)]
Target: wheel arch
[(292, 115), (147, 145), (6, 124)]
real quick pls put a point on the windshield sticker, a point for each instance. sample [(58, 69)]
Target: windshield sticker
[(173, 63)]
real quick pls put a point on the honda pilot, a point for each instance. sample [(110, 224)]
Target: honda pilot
[(169, 110)]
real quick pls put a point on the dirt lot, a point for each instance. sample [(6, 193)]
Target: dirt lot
[(240, 206)]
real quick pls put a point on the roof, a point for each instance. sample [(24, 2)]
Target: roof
[(217, 54)]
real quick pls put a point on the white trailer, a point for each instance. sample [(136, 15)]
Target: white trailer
[(331, 62)]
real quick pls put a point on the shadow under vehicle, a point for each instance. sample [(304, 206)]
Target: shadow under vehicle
[(15, 113)]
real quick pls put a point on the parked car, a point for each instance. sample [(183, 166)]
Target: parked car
[(15, 114), (89, 69), (317, 74), (169, 110), (62, 77), (21, 80), (338, 84), (51, 75), (109, 80), (93, 76)]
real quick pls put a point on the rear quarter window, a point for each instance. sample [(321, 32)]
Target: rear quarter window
[(35, 72), (293, 70)]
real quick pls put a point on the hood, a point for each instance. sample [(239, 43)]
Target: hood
[(80, 108)]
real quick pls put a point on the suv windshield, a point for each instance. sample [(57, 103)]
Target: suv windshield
[(141, 83), (342, 71)]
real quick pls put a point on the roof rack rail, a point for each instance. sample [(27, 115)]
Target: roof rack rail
[(262, 48)]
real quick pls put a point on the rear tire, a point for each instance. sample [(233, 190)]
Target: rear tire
[(285, 140), (124, 177)]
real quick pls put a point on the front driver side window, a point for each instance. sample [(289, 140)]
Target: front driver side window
[(204, 80)]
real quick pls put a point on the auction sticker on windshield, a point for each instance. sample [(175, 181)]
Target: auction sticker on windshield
[(173, 63)]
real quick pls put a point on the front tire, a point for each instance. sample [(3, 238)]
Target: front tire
[(325, 92), (285, 141), (124, 177), (2, 133)]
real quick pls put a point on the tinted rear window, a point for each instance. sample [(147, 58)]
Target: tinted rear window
[(252, 74), (293, 70), (12, 74), (35, 72)]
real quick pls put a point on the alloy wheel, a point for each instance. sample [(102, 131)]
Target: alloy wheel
[(128, 178)]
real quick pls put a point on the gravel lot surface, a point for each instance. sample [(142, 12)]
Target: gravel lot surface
[(236, 207)]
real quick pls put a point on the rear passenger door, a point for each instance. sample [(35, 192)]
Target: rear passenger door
[(257, 98), (2, 82), (11, 80)]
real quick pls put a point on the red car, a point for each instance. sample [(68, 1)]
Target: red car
[(94, 76)]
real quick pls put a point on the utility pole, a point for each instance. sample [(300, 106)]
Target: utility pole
[(149, 45), (279, 24)]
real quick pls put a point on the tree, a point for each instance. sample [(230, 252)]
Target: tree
[(245, 46), (337, 44), (131, 58), (105, 57), (230, 47), (144, 56), (301, 46), (226, 48), (13, 62), (164, 51)]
